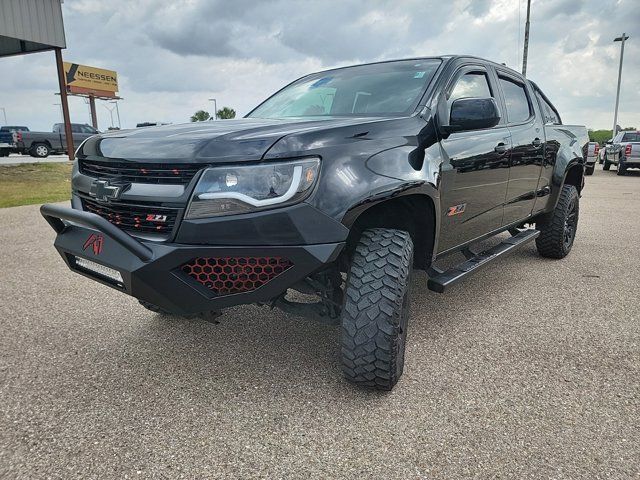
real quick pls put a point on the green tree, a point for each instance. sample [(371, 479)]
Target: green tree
[(200, 116), (226, 113), (599, 136)]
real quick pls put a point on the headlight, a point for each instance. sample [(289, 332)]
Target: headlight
[(241, 189)]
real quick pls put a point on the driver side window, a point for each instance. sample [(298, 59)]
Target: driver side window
[(471, 85)]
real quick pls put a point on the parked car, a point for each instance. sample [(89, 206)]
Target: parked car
[(43, 144), (592, 157), (603, 152), (9, 135), (338, 186), (624, 152)]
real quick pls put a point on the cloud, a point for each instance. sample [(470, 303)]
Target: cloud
[(173, 55)]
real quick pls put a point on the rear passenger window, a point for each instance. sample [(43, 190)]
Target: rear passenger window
[(548, 112), (471, 85), (516, 100)]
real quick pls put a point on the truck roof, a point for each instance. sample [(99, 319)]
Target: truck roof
[(434, 57)]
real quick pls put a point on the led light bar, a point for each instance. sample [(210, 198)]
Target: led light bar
[(100, 270)]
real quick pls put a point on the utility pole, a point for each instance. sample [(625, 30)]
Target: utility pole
[(118, 113), (110, 113), (620, 39), (61, 113), (526, 40), (215, 108), (5, 114)]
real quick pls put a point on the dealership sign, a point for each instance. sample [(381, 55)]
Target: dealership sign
[(84, 80)]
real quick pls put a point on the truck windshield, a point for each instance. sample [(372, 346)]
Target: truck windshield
[(13, 129), (391, 88)]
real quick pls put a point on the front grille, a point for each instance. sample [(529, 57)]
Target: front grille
[(227, 275), (158, 173), (137, 218)]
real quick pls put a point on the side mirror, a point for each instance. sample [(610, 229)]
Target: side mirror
[(472, 114)]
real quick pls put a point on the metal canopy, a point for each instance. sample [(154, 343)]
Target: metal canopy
[(28, 26)]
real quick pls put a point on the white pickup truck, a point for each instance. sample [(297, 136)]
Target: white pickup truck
[(593, 150)]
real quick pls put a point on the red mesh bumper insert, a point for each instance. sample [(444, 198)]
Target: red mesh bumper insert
[(235, 274)]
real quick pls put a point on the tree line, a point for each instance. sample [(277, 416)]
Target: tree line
[(224, 113)]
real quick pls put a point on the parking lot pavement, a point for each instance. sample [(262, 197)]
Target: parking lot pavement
[(18, 159), (529, 369)]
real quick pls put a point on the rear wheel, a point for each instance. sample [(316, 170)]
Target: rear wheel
[(589, 170), (622, 168), (375, 313), (558, 228), (607, 165), (4, 152), (40, 150)]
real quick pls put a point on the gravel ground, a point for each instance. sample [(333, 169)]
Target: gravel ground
[(529, 369)]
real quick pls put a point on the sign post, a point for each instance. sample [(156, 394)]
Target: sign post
[(64, 104)]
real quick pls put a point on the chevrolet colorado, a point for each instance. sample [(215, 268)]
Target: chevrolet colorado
[(339, 186)]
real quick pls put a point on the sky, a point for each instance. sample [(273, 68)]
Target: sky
[(173, 55)]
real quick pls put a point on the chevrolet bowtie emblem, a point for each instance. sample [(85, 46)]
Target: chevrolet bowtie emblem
[(102, 190)]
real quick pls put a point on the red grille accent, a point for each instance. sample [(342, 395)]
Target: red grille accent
[(228, 275)]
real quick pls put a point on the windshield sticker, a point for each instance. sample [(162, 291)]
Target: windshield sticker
[(419, 74)]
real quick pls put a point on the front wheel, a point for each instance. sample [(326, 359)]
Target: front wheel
[(375, 313), (558, 228)]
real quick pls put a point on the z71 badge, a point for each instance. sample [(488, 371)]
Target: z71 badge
[(456, 210), (156, 218)]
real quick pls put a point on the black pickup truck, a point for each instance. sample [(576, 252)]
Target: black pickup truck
[(10, 135), (339, 186)]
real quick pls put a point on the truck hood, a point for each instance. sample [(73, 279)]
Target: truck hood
[(246, 139)]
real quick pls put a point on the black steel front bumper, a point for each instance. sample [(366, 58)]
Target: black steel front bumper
[(151, 271)]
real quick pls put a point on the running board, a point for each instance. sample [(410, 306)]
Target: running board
[(439, 280)]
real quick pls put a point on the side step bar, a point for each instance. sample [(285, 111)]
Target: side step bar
[(439, 280)]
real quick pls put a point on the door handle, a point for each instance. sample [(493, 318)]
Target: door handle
[(536, 142), (500, 148)]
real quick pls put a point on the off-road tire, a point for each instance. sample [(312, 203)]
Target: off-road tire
[(622, 168), (375, 313), (557, 225), (40, 150), (589, 170), (606, 165), (153, 308)]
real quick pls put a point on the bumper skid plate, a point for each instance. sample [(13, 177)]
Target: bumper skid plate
[(182, 279)]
